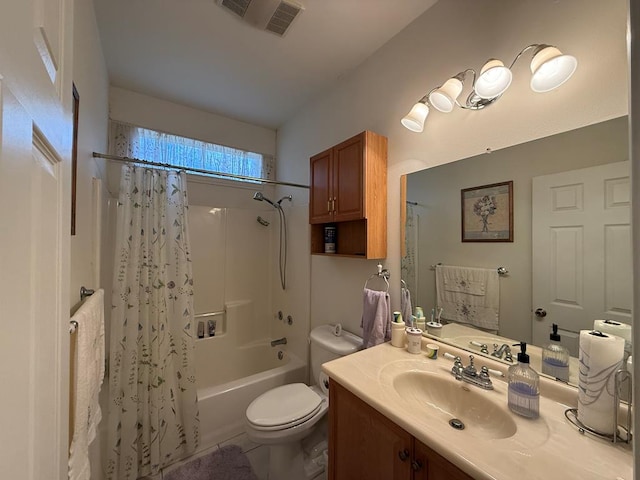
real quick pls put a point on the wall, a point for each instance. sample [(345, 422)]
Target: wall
[(437, 192), (451, 36), (92, 82)]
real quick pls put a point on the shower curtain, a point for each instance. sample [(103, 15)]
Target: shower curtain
[(153, 413)]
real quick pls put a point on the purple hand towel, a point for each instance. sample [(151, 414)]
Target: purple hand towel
[(376, 318)]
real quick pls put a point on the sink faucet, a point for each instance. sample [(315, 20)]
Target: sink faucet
[(470, 374), (279, 341), (503, 350)]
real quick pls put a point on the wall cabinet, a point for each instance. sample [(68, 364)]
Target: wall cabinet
[(349, 190), (364, 444)]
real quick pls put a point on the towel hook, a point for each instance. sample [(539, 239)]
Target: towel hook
[(86, 292)]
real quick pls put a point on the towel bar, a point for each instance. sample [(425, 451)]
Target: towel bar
[(501, 270)]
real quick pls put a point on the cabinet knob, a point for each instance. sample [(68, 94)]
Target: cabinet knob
[(403, 454), (416, 465)]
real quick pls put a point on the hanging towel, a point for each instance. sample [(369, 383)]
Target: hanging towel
[(87, 382), (405, 304), (469, 295), (376, 318)]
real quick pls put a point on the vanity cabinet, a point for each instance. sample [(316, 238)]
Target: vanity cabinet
[(364, 444), (349, 191)]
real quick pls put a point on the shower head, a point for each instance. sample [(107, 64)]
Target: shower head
[(260, 197)]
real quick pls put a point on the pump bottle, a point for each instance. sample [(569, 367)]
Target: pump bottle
[(555, 357), (524, 386)]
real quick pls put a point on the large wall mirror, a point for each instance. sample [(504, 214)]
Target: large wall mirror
[(570, 258)]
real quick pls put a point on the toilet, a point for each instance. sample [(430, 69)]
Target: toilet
[(284, 416)]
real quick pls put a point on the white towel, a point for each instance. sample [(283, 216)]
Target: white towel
[(469, 295), (90, 355), (405, 304), (376, 318)]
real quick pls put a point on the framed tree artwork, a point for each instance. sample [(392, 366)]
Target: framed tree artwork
[(487, 213)]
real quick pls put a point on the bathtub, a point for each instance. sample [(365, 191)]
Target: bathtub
[(222, 401)]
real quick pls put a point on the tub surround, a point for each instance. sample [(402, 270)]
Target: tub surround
[(549, 447)]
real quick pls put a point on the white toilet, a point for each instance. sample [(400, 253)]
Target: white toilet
[(284, 416)]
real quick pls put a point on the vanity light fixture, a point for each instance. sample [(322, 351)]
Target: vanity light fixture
[(550, 68)]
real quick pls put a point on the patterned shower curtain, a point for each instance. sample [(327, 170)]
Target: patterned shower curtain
[(153, 413)]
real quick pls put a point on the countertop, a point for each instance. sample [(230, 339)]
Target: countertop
[(549, 447)]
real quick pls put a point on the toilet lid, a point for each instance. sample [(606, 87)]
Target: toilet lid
[(283, 405)]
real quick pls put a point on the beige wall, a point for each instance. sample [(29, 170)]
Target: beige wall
[(437, 192), (91, 80), (452, 35)]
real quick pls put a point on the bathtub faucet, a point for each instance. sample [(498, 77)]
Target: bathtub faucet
[(280, 341)]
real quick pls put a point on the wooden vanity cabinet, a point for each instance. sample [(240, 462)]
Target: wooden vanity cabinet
[(349, 190), (364, 444)]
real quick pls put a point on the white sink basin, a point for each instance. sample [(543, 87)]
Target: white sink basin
[(450, 399)]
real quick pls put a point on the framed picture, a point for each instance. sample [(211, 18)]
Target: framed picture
[(487, 213)]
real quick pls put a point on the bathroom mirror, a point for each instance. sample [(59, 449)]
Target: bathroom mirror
[(554, 267)]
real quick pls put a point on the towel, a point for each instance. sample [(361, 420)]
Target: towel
[(90, 355), (376, 318), (405, 304), (469, 295)]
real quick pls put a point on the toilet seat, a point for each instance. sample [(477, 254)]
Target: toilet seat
[(284, 407)]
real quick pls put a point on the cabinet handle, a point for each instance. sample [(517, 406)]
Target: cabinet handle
[(416, 465), (329, 205), (333, 204), (403, 454)]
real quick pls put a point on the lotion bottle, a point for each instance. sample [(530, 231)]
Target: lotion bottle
[(524, 386), (555, 357)]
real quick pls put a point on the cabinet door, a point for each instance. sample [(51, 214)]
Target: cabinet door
[(363, 444), (348, 179), (321, 194), (428, 465)]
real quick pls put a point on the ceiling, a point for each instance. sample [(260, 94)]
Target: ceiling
[(199, 54)]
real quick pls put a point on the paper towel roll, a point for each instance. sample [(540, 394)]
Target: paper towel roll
[(600, 357), (615, 328)]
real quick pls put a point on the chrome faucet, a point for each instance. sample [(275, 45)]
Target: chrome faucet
[(470, 374), (279, 341), (503, 350)]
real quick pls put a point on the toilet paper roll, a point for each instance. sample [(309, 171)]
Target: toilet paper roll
[(600, 357), (323, 381), (615, 328)]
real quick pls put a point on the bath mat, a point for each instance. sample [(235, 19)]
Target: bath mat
[(226, 463)]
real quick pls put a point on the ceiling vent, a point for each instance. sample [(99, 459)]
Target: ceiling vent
[(275, 16)]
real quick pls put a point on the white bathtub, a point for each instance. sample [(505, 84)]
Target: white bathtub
[(223, 404)]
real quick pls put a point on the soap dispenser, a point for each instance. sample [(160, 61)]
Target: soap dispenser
[(524, 386), (555, 357)]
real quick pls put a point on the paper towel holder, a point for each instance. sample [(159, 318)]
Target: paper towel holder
[(620, 378)]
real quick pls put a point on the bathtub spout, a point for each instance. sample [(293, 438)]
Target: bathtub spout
[(280, 341)]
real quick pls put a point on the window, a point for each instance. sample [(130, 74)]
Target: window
[(144, 144)]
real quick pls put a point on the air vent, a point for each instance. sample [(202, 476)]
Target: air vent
[(239, 7), (282, 18), (274, 16)]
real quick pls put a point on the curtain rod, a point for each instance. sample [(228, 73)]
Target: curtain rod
[(118, 158)]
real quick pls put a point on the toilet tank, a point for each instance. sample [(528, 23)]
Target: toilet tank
[(326, 345)]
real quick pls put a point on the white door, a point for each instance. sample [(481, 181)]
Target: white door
[(35, 143), (582, 267)]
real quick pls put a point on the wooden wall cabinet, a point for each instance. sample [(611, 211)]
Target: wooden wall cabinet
[(364, 444), (349, 190)]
